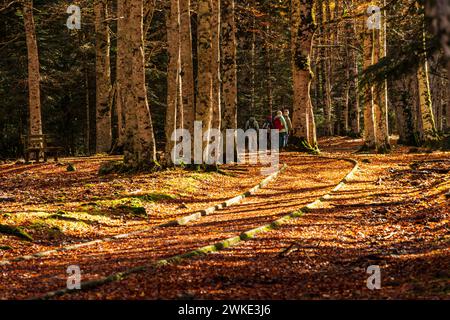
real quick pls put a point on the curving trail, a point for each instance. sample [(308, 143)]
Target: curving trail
[(305, 180)]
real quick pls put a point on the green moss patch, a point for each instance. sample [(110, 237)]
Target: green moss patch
[(15, 231), (155, 197)]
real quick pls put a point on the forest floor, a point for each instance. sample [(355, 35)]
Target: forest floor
[(393, 213)]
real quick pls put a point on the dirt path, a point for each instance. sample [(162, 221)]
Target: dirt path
[(390, 214)]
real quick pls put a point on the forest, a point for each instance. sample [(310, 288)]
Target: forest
[(224, 149)]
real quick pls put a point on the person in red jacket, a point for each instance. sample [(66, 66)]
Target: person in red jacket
[(280, 124)]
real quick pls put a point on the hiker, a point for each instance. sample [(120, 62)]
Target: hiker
[(252, 124), (289, 126), (280, 124), (268, 125)]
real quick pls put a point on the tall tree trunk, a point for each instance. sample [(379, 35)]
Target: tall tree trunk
[(447, 99), (253, 62), (87, 98), (354, 108), (229, 65), (216, 77), (381, 105), (369, 103), (334, 74), (173, 76), (328, 110), (205, 64), (268, 61), (229, 69), (302, 30), (403, 102), (103, 77), (187, 67), (120, 76), (34, 77), (349, 86), (140, 149), (427, 128)]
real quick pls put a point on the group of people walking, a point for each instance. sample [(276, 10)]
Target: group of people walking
[(281, 122)]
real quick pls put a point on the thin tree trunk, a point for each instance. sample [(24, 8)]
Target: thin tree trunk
[(354, 109), (34, 78), (403, 101), (268, 60), (253, 63), (216, 77), (447, 99), (103, 77), (427, 127), (120, 76), (173, 76), (328, 110), (369, 104), (381, 105), (229, 68), (187, 68)]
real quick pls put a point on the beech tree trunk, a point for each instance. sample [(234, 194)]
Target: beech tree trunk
[(381, 105), (369, 103), (403, 102), (229, 66), (438, 11), (103, 77), (205, 72), (302, 30), (354, 108), (268, 65), (216, 77), (427, 126), (34, 77), (140, 149), (173, 76), (187, 68), (120, 76), (328, 110)]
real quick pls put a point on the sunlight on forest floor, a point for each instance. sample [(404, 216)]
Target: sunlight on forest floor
[(393, 213)]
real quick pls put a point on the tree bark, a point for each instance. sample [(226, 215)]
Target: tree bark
[(34, 77), (205, 64), (381, 105), (302, 30), (120, 75), (103, 77), (354, 108), (328, 109), (140, 149), (187, 68), (229, 66), (369, 103), (173, 76), (216, 77), (427, 126)]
